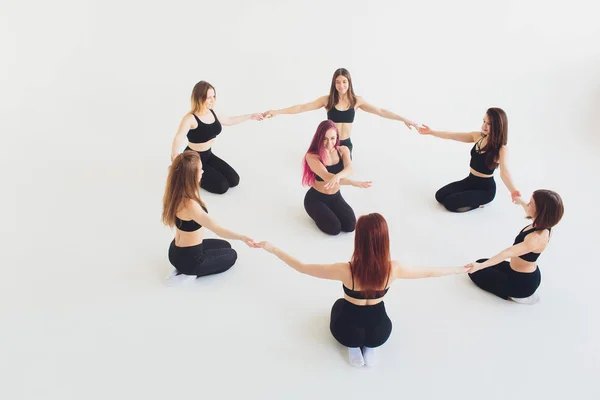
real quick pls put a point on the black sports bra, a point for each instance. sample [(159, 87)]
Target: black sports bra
[(478, 160), (360, 294), (333, 169), (336, 115), (188, 225), (204, 132), (531, 257)]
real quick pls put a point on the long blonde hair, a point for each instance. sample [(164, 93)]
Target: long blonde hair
[(182, 184), (199, 95)]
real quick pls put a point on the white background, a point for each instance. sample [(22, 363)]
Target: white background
[(91, 96)]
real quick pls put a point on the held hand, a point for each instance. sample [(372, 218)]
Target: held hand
[(363, 185), (424, 130), (464, 269), (257, 117), (410, 124), (332, 182), (269, 114), (474, 267), (250, 242), (266, 246), (516, 195)]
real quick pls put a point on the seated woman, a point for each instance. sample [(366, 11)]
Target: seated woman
[(519, 279), (327, 166), (191, 254), (341, 105), (488, 153), (359, 320), (200, 128)]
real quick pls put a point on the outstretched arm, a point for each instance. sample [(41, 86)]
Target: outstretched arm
[(323, 271), (382, 112), (297, 109), (530, 243), (406, 272), (505, 174), (180, 138), (201, 217), (229, 121), (465, 137)]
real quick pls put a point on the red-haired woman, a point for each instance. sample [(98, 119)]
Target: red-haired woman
[(191, 254), (326, 166), (359, 320), (341, 105), (488, 153), (519, 279), (199, 128)]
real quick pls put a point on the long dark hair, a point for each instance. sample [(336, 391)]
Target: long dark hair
[(497, 138), (549, 209), (334, 96), (371, 264)]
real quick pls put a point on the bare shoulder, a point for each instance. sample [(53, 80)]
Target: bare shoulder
[(477, 135), (188, 120), (540, 237), (396, 268)]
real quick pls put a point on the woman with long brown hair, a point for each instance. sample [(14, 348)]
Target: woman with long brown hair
[(359, 320), (519, 278), (200, 127), (341, 105), (189, 252), (327, 166), (488, 153)]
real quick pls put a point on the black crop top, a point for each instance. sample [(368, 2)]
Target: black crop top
[(360, 294), (333, 169), (188, 225), (204, 132), (531, 257), (478, 160), (336, 115)]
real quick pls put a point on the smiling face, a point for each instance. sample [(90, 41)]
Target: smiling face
[(341, 84), (330, 139), (487, 125), (210, 99), (530, 209)]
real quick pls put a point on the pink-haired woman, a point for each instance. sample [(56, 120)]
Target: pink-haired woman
[(327, 165)]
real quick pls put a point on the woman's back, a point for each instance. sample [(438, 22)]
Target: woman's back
[(356, 294)]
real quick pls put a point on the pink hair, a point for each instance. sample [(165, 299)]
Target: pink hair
[(317, 147)]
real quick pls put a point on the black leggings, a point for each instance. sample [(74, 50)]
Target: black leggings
[(359, 326), (467, 194), (505, 282), (348, 144), (330, 212), (218, 176), (212, 256)]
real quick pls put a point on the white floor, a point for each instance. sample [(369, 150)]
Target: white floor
[(93, 97)]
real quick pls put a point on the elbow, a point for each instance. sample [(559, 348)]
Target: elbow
[(300, 267)]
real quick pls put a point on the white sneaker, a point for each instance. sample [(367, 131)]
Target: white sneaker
[(355, 356), (175, 280), (534, 298), (369, 355)]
